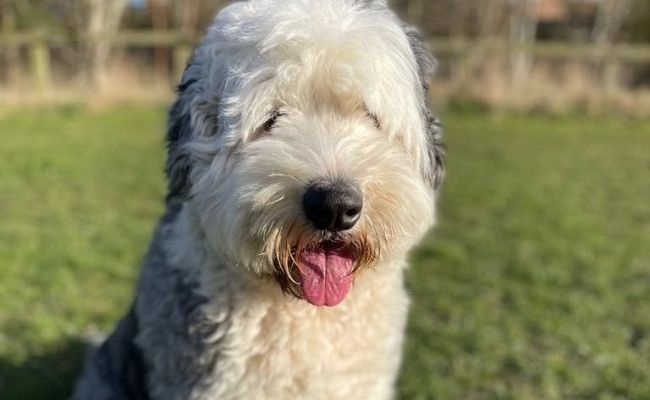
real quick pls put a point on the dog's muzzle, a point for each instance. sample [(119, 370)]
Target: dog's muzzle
[(325, 268), (321, 269)]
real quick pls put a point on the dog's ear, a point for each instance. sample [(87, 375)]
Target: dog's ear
[(426, 62), (426, 68), (436, 150), (179, 133), (194, 117)]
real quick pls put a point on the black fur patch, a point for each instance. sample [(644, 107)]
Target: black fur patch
[(436, 149), (178, 160), (189, 108), (120, 361), (179, 133)]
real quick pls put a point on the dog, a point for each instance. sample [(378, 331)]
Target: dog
[(303, 164)]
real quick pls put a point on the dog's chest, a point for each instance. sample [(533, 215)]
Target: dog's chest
[(279, 349)]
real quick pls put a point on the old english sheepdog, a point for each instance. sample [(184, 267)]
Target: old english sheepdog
[(303, 165)]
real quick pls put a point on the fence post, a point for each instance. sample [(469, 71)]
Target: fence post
[(39, 59)]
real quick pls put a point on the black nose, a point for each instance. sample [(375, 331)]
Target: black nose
[(333, 206)]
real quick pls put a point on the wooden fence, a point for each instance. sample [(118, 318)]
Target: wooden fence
[(39, 45)]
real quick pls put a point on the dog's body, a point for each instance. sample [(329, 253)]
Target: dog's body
[(303, 160)]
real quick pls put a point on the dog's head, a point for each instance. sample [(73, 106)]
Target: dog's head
[(303, 142)]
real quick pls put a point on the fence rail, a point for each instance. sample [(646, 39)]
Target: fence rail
[(40, 43), (623, 52), (124, 38)]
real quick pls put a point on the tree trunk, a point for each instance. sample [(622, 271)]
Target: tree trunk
[(103, 23), (10, 52), (609, 19), (523, 28), (160, 22), (186, 16)]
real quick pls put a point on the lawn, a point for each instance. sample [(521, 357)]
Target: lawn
[(534, 285)]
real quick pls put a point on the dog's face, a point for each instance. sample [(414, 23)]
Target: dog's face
[(303, 144)]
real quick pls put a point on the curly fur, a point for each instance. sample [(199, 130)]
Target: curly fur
[(277, 95)]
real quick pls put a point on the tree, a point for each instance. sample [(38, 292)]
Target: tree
[(186, 15), (523, 28), (103, 22), (8, 26), (609, 20), (160, 10)]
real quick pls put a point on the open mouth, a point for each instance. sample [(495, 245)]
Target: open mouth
[(325, 272)]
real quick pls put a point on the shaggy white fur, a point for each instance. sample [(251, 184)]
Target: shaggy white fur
[(324, 65), (278, 95)]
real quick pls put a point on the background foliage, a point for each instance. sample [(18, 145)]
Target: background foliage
[(548, 55)]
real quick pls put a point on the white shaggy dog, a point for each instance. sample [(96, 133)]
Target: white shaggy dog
[(303, 163)]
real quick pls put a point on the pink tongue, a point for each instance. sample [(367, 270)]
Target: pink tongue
[(325, 275)]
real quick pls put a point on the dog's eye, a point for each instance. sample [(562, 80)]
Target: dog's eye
[(374, 119), (372, 116), (268, 125)]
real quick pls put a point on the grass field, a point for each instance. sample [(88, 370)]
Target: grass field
[(534, 285)]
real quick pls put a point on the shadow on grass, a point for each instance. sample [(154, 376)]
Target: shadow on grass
[(46, 375)]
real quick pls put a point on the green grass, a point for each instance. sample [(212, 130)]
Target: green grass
[(534, 285), (79, 194)]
